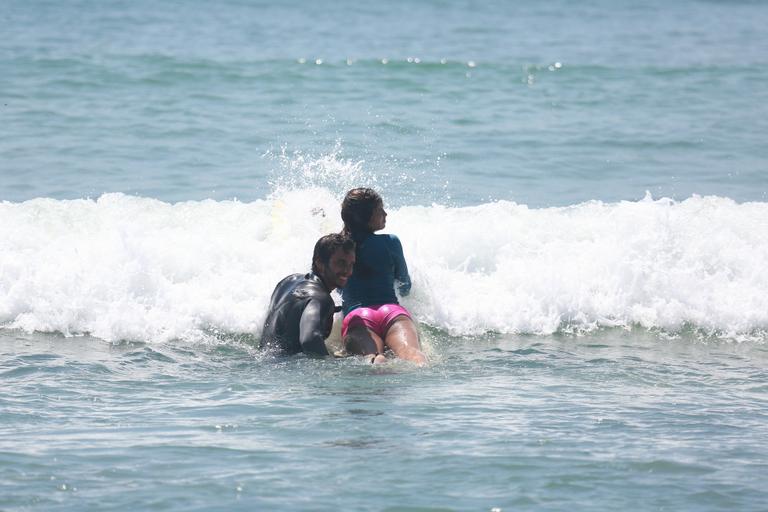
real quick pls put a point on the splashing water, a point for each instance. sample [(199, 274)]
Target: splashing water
[(123, 267)]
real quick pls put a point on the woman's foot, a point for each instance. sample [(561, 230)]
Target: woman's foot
[(378, 359)]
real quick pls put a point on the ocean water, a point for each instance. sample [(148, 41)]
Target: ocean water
[(581, 189)]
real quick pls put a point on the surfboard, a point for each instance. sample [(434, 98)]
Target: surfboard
[(283, 216), (333, 342)]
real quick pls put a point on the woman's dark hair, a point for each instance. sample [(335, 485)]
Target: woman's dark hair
[(327, 245), (357, 209)]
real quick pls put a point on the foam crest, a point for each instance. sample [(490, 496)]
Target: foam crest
[(661, 264), (132, 268), (123, 267)]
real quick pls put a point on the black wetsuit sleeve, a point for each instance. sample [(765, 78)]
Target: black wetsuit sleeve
[(313, 326)]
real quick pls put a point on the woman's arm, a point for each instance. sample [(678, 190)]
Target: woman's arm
[(401, 267)]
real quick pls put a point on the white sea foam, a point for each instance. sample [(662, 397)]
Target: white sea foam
[(124, 267)]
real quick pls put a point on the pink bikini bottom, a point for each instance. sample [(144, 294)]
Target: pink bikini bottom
[(376, 318)]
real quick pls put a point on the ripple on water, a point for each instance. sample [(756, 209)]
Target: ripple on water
[(19, 371), (671, 467)]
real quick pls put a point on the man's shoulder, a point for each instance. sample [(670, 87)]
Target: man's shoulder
[(310, 285), (286, 285), (287, 280), (305, 287)]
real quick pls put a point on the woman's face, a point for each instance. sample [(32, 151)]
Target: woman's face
[(378, 218)]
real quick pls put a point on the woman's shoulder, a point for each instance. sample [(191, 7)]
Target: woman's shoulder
[(387, 239)]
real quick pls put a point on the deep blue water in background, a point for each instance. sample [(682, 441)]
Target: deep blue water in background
[(593, 346), (566, 102)]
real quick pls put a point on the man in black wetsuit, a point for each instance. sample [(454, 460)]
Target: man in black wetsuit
[(301, 309)]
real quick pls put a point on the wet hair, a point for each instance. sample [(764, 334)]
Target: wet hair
[(329, 244), (357, 209)]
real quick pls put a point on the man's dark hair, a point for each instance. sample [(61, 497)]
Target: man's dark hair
[(327, 245), (357, 209)]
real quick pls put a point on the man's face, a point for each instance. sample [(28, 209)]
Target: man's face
[(338, 270)]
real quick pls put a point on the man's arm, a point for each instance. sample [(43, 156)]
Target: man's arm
[(313, 325)]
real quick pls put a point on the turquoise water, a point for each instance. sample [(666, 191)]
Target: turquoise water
[(614, 421), (179, 101), (580, 188)]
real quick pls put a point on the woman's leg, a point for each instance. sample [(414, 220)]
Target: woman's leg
[(362, 341), (403, 338)]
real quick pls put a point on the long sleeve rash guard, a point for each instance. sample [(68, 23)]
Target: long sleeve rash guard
[(380, 263)]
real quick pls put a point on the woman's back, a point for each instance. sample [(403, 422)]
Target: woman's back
[(379, 264)]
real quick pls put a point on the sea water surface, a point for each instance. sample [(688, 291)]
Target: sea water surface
[(580, 189)]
